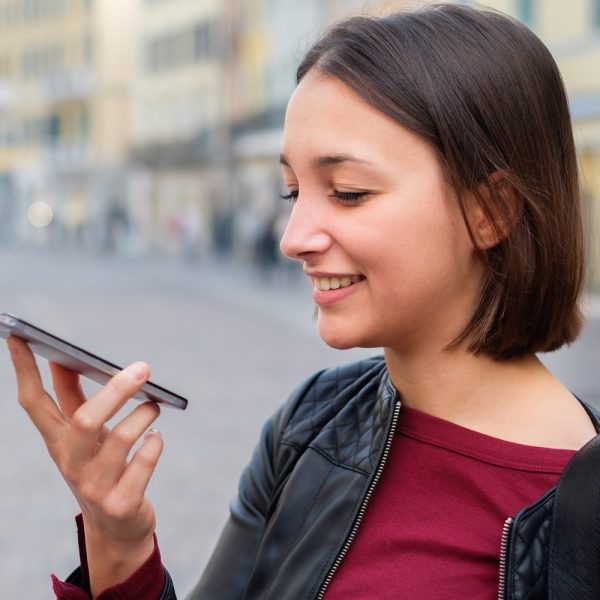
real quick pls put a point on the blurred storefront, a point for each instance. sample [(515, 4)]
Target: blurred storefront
[(178, 185), (64, 74)]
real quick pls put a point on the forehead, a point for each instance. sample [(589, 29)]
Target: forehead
[(323, 100), (325, 117)]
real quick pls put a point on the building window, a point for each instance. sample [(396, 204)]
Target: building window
[(201, 41), (84, 124), (596, 13), (54, 60), (53, 129), (180, 48), (88, 51), (31, 131), (27, 64), (205, 41), (525, 12)]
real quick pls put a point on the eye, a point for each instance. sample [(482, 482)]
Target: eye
[(290, 197), (349, 198)]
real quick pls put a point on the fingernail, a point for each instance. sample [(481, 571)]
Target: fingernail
[(152, 431), (139, 370)]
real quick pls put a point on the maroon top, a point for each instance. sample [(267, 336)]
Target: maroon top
[(433, 527)]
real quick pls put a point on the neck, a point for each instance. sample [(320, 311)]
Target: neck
[(517, 400), (462, 387)]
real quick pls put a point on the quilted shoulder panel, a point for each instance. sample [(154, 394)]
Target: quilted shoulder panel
[(343, 414), (528, 558)]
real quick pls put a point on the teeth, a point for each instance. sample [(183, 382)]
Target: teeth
[(325, 284)]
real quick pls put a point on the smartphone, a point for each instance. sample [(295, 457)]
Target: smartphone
[(81, 361)]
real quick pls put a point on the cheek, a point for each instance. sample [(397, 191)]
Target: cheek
[(422, 254)]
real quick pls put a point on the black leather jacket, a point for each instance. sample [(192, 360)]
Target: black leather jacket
[(302, 497)]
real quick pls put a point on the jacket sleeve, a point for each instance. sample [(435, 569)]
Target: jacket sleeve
[(75, 588), (230, 567), (150, 581)]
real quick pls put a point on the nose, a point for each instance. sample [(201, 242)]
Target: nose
[(306, 231)]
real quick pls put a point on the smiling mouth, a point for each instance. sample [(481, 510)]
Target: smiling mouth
[(324, 284)]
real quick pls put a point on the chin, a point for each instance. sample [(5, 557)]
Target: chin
[(341, 338), (339, 344)]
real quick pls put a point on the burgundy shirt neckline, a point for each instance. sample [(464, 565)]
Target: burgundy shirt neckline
[(421, 426)]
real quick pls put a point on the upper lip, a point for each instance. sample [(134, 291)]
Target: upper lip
[(329, 275)]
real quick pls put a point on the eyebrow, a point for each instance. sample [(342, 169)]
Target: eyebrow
[(328, 161)]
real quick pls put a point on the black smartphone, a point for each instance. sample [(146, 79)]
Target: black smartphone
[(81, 361)]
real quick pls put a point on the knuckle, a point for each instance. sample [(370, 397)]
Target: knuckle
[(27, 401), (146, 457), (24, 401), (82, 421), (123, 436)]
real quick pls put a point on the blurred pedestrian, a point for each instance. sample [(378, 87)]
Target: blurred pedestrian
[(118, 225), (266, 247), (430, 161)]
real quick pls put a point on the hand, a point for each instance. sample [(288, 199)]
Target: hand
[(119, 519)]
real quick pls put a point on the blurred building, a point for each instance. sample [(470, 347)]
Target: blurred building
[(179, 184), (571, 30), (141, 124), (64, 114), (573, 34), (210, 87)]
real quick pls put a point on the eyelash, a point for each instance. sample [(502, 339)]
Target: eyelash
[(347, 198)]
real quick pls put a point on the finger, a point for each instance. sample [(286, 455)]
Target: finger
[(88, 421), (69, 392), (32, 396), (137, 475), (67, 387), (111, 459)]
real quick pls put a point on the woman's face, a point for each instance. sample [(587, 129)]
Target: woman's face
[(372, 209)]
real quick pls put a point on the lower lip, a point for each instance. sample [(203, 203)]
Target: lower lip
[(329, 297)]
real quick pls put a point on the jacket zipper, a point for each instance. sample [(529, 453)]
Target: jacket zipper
[(503, 554), (363, 507)]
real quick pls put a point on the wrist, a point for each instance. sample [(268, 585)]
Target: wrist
[(111, 560)]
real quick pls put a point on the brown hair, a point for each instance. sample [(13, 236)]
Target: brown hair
[(485, 92)]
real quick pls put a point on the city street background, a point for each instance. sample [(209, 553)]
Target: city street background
[(140, 218), (231, 340)]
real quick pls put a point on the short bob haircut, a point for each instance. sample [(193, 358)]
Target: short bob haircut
[(485, 92)]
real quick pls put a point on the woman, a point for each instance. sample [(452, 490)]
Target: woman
[(430, 161)]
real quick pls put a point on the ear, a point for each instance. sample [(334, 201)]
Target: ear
[(494, 210)]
